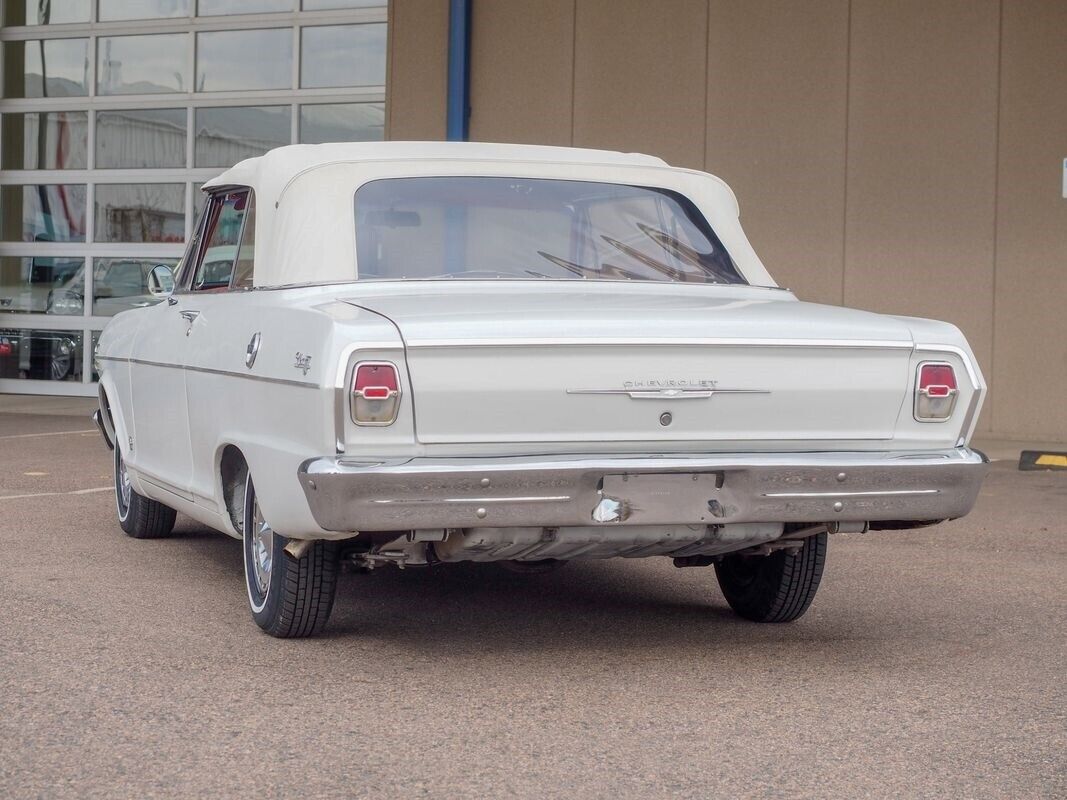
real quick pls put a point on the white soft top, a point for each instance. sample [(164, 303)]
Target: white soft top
[(305, 226)]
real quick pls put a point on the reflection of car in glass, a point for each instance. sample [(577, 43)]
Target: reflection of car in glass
[(118, 285), (41, 355), (439, 353)]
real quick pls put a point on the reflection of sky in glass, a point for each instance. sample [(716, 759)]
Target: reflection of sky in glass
[(66, 67), (256, 59), (143, 9), (211, 8), (342, 55), (28, 12), (342, 122), (141, 64), (322, 5)]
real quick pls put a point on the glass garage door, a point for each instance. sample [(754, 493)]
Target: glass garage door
[(113, 112)]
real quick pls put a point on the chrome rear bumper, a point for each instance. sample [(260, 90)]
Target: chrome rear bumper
[(350, 494)]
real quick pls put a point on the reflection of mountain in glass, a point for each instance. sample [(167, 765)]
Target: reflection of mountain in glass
[(48, 68), (151, 64)]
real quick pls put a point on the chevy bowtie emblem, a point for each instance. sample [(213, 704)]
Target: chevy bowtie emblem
[(669, 394)]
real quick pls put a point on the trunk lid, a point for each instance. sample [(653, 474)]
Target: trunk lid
[(585, 364)]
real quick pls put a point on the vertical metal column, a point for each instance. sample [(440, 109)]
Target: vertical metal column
[(459, 70)]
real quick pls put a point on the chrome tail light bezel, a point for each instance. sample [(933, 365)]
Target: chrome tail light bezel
[(937, 402), (367, 411)]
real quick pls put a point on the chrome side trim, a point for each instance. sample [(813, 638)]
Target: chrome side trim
[(864, 344), (900, 492), (349, 494), (210, 371)]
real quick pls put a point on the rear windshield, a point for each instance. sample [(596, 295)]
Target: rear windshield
[(521, 228)]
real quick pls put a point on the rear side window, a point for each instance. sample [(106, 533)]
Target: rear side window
[(522, 228), (226, 257)]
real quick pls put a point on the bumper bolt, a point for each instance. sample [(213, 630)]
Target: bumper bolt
[(485, 483), (838, 505), (480, 513), (841, 477)]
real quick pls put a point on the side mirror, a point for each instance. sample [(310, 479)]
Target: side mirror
[(161, 281)]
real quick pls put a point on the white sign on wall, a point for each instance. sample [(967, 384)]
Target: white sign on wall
[(1065, 179)]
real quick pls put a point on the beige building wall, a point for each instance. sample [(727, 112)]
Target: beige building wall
[(903, 157)]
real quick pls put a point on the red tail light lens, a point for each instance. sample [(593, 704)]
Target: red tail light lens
[(935, 392), (375, 393)]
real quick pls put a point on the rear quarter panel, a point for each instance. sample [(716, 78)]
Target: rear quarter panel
[(282, 410)]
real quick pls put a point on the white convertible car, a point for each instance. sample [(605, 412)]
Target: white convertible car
[(415, 354)]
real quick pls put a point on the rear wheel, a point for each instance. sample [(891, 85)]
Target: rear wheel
[(140, 517), (774, 588), (289, 597)]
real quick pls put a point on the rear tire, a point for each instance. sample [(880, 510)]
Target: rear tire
[(290, 598), (139, 517), (774, 588)]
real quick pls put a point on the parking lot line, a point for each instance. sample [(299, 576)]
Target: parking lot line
[(50, 433), (52, 494)]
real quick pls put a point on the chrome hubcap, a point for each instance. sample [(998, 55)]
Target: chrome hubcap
[(60, 365), (124, 484), (262, 549)]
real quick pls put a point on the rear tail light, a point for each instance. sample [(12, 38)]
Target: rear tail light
[(375, 393), (935, 392)]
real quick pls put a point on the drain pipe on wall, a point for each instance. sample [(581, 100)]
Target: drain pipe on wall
[(459, 70)]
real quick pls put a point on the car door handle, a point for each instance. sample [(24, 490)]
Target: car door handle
[(190, 318)]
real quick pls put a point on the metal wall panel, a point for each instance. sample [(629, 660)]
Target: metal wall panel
[(522, 75), (416, 75), (1030, 353), (777, 87), (921, 162), (639, 77)]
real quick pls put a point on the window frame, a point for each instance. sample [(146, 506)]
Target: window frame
[(197, 248), (579, 214)]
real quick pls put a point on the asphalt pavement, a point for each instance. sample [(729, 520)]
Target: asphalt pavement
[(933, 663)]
